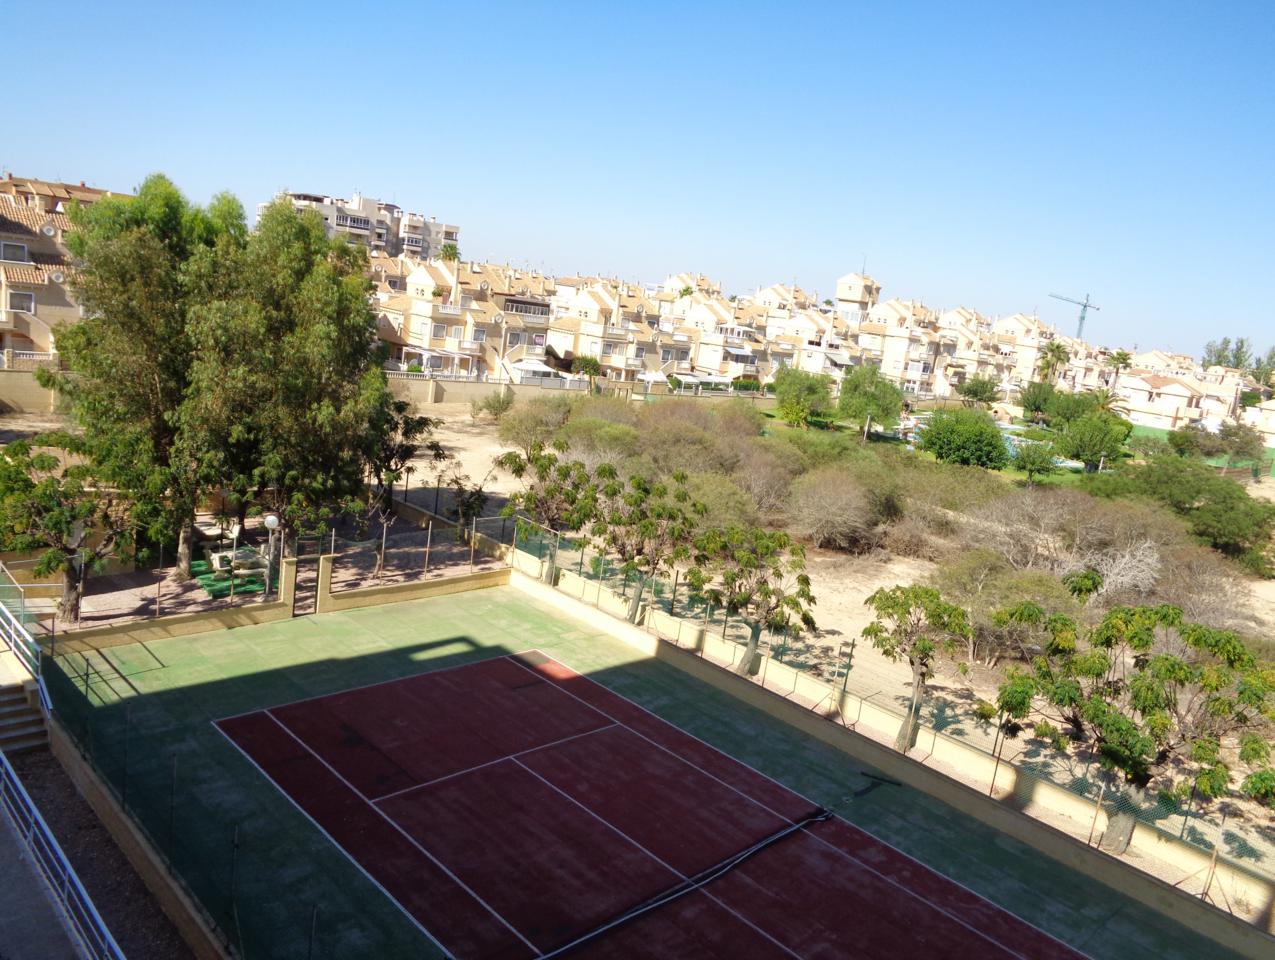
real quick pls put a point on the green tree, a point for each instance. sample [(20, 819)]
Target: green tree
[(1036, 460), (287, 384), (970, 437), (915, 624), (1036, 399), (867, 398), (58, 501), (449, 253), (1092, 440), (1153, 696), (128, 361), (1108, 402), (650, 527), (589, 367), (397, 438), (979, 390), (1119, 360), (686, 291), (801, 395), (1054, 357), (759, 575)]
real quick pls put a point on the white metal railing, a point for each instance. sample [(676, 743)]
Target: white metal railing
[(48, 856), (32, 355), (447, 309), (83, 916)]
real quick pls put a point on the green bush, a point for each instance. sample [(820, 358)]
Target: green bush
[(967, 437), (748, 386), (1093, 439)]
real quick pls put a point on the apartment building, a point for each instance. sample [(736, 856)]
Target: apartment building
[(380, 226), (34, 263)]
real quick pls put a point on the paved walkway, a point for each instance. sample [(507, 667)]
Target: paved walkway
[(32, 925)]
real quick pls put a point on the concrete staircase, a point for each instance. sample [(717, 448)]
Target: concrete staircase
[(21, 726)]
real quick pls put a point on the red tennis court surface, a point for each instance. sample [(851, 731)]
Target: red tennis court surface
[(512, 807)]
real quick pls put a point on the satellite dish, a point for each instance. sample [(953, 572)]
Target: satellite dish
[(57, 276), (48, 229)]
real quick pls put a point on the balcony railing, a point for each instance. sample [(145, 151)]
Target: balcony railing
[(447, 309)]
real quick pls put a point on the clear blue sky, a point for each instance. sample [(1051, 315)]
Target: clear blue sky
[(977, 154)]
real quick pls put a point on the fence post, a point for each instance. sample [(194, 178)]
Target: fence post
[(429, 537), (473, 542), (159, 581), (513, 546), (672, 600), (437, 488), (381, 559)]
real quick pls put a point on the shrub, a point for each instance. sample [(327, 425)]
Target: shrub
[(940, 486), (965, 436), (725, 503), (497, 404), (766, 476), (535, 421), (802, 395), (615, 409), (414, 367), (1035, 399), (833, 508), (1035, 460), (748, 386), (979, 390), (913, 537), (593, 441)]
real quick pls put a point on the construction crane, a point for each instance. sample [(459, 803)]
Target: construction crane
[(1085, 307)]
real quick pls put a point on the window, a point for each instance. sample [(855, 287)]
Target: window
[(435, 363), (457, 332), (608, 349), (440, 331), (639, 352), (480, 335), (21, 302), (666, 355), (538, 339), (683, 355), (515, 338), (14, 251)]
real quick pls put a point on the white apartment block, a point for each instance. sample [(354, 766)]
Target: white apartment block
[(381, 227)]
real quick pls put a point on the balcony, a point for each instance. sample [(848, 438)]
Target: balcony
[(683, 366), (464, 346), (447, 310)]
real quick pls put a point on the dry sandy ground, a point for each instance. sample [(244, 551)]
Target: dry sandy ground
[(472, 446)]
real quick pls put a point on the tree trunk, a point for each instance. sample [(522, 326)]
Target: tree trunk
[(72, 590), (906, 739), (750, 663), (1122, 817), (635, 601), (185, 541)]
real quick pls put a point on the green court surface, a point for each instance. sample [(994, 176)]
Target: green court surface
[(278, 888)]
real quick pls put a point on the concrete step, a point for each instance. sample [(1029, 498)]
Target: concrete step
[(20, 726), (14, 706), (22, 744)]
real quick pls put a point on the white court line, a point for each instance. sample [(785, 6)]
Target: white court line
[(410, 839), (382, 683), (611, 826), (834, 848), (492, 763), (363, 870)]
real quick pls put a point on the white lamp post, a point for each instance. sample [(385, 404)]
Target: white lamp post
[(272, 524)]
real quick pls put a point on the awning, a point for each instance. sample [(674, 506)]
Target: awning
[(686, 378), (740, 353), (534, 366), (712, 378), (652, 376)]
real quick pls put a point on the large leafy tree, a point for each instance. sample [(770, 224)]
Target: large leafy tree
[(802, 395), (1153, 696), (60, 502), (649, 526), (1092, 440), (128, 361), (867, 398), (759, 575), (983, 390), (286, 384), (1036, 399), (915, 624)]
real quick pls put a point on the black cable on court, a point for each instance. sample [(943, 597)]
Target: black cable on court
[(692, 883)]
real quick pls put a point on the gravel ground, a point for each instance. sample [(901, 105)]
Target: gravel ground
[(132, 914)]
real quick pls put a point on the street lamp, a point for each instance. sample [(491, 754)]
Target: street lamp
[(272, 524)]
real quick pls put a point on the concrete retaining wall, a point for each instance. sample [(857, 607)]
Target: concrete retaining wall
[(329, 602), (19, 393), (172, 899)]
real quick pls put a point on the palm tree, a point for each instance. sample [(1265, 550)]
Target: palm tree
[(1106, 400), (1120, 360), (1054, 356)]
